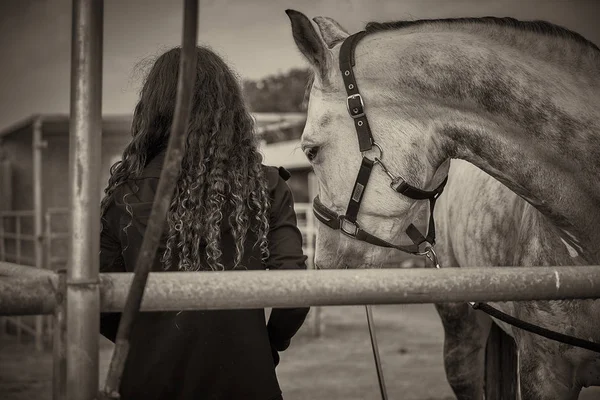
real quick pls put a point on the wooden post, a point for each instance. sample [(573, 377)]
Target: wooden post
[(500, 366)]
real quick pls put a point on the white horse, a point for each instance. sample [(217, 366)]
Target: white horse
[(516, 106)]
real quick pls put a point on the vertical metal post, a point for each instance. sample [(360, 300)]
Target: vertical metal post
[(59, 367), (18, 321), (83, 299), (17, 239), (6, 203), (48, 265), (48, 239), (38, 217)]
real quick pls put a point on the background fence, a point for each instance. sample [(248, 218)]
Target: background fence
[(17, 246)]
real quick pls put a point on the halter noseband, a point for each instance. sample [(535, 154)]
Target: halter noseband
[(422, 245)]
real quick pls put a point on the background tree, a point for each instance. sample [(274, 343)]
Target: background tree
[(284, 92)]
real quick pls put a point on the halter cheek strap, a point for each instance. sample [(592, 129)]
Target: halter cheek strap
[(354, 101)]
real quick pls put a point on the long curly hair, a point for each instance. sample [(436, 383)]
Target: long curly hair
[(221, 173)]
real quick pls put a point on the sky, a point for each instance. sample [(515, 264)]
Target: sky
[(253, 36)]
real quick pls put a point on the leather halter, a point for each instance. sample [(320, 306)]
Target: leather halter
[(348, 224)]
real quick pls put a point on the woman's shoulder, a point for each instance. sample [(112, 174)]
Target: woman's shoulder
[(135, 195), (276, 176)]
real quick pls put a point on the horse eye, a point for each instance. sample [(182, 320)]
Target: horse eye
[(311, 152)]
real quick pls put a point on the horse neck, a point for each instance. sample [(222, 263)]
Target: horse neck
[(528, 118)]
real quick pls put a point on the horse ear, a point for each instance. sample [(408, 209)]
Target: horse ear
[(308, 41), (331, 31)]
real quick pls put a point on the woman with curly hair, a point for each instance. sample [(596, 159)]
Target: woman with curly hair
[(228, 212)]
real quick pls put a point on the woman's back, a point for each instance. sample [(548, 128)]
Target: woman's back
[(228, 211), (222, 354)]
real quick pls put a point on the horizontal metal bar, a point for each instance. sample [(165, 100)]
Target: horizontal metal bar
[(19, 258), (246, 289), (27, 295), (19, 270), (17, 236), (174, 291)]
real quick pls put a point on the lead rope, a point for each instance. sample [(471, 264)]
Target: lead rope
[(520, 324), (373, 336), (430, 254)]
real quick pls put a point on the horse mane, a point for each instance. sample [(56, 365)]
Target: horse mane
[(541, 27)]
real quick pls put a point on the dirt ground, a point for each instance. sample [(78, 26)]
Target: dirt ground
[(338, 365)]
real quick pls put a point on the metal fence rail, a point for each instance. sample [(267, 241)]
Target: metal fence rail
[(8, 269), (175, 291), (19, 239), (16, 236)]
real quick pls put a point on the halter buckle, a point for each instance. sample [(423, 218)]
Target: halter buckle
[(354, 225), (360, 107)]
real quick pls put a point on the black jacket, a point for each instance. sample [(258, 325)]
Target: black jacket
[(201, 355)]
